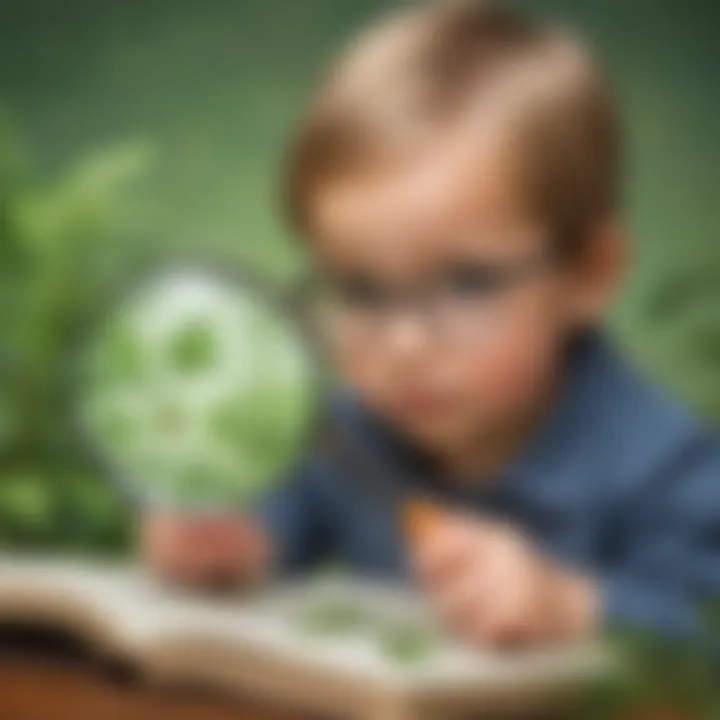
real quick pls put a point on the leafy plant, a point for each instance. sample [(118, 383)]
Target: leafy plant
[(682, 312), (63, 245), (660, 678)]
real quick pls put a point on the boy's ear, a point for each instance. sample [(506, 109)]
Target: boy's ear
[(598, 270)]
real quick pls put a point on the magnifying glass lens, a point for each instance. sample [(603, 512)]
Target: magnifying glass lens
[(198, 392)]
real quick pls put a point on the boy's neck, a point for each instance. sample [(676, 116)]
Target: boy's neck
[(482, 458)]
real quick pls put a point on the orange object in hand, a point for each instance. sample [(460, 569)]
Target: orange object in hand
[(420, 518)]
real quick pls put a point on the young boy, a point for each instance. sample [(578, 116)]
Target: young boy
[(456, 181)]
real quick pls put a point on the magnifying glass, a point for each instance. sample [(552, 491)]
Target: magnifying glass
[(202, 391), (199, 390)]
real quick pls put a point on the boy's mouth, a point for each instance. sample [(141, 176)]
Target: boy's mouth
[(420, 405)]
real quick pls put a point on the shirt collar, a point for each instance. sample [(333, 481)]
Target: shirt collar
[(562, 437)]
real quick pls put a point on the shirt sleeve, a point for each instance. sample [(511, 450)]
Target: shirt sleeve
[(669, 572), (298, 520)]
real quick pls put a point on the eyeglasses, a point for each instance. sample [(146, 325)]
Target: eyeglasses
[(462, 303)]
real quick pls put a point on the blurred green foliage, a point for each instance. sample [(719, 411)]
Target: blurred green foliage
[(657, 677), (63, 247)]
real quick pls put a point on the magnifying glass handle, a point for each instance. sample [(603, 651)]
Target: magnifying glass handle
[(420, 518)]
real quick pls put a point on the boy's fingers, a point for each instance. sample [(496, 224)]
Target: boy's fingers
[(465, 595), (438, 561), (420, 518), (199, 564), (446, 552), (228, 536), (483, 604), (191, 550), (509, 626), (517, 614)]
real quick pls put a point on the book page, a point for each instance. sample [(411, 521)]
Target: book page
[(383, 633)]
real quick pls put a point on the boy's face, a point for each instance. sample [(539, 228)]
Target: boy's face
[(447, 311)]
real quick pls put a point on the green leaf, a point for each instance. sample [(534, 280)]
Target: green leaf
[(24, 498), (81, 206), (407, 644), (332, 619), (119, 359), (192, 348)]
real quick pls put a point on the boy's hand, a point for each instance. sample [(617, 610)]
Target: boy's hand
[(494, 589), (210, 550)]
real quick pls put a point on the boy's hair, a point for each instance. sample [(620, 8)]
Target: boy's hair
[(404, 82)]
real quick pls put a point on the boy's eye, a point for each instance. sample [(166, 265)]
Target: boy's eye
[(473, 281), (358, 292)]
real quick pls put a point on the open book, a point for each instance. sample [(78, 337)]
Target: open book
[(330, 645)]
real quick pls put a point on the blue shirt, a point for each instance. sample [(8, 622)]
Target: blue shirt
[(619, 481)]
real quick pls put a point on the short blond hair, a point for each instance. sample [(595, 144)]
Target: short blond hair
[(405, 79)]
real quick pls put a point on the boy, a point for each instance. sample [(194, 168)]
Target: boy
[(456, 182)]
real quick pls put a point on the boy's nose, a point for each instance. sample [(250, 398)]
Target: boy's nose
[(407, 333)]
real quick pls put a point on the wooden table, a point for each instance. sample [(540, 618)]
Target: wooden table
[(35, 688), (50, 678)]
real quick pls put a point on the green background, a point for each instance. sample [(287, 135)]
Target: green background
[(181, 108)]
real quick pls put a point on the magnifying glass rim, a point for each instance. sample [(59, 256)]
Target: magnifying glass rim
[(284, 303)]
